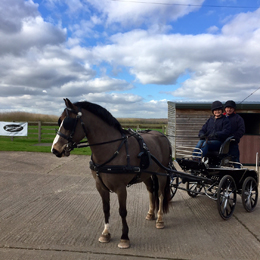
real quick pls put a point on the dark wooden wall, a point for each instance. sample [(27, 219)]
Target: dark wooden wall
[(249, 145)]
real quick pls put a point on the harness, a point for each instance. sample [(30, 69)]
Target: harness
[(144, 154)]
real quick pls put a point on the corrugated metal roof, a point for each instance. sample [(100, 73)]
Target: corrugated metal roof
[(207, 105)]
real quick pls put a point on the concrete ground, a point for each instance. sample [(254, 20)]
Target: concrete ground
[(50, 209)]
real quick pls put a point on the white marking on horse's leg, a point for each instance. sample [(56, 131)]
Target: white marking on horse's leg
[(106, 230), (105, 236), (160, 210), (150, 214)]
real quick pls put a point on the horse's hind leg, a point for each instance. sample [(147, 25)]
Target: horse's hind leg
[(159, 221), (125, 242), (149, 186), (163, 194), (105, 195)]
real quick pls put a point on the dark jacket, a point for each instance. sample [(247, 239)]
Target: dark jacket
[(216, 129), (237, 126)]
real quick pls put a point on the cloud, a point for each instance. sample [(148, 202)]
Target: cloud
[(133, 106), (216, 63), (12, 14), (44, 60), (129, 14), (34, 33), (213, 29), (97, 85), (42, 69), (243, 24)]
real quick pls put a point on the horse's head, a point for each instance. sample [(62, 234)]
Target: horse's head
[(70, 132)]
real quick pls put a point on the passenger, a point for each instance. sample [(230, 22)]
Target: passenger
[(237, 129), (215, 131)]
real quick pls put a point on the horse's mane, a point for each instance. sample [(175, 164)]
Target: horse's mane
[(101, 113)]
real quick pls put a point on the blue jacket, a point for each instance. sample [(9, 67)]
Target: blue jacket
[(237, 126), (216, 129)]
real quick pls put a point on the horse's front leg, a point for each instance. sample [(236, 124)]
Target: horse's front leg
[(105, 195), (122, 194)]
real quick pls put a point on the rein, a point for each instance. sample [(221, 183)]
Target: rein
[(71, 124), (108, 142)]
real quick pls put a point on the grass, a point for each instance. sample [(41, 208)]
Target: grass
[(30, 143)]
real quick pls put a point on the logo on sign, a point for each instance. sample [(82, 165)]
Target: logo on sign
[(13, 128)]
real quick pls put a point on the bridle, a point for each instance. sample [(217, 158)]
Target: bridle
[(71, 124)]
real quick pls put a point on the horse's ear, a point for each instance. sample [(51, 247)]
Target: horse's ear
[(68, 103)]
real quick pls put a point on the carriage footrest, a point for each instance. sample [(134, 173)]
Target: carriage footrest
[(190, 164)]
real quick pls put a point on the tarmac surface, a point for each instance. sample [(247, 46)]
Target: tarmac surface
[(50, 209)]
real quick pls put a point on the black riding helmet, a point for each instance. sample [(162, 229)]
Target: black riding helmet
[(230, 103), (216, 105)]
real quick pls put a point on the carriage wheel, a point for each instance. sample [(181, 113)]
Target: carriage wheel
[(173, 186), (226, 197), (249, 194), (193, 188)]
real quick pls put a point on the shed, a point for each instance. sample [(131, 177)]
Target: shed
[(186, 119)]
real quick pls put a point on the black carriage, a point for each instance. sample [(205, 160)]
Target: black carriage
[(217, 177)]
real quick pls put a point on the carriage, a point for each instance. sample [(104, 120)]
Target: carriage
[(122, 157), (222, 179)]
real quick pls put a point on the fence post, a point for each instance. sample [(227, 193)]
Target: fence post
[(163, 129), (39, 131)]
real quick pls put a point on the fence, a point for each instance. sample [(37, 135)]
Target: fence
[(47, 130)]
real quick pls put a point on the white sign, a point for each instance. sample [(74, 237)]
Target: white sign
[(13, 129)]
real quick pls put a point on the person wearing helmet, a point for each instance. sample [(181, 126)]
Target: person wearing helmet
[(237, 129), (215, 131)]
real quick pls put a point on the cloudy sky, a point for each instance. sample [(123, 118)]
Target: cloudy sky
[(129, 56)]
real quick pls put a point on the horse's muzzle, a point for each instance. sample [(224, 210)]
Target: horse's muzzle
[(57, 153)]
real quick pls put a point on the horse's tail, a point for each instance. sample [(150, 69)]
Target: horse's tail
[(166, 195), (155, 191)]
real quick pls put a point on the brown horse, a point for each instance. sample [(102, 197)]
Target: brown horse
[(116, 159)]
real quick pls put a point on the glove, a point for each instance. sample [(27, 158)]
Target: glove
[(202, 136), (212, 136)]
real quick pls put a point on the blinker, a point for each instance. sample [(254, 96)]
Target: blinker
[(68, 123)]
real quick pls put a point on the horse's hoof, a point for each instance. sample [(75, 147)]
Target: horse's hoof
[(160, 225), (105, 238), (150, 216), (124, 244)]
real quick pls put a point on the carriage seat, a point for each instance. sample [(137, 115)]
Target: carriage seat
[(221, 157)]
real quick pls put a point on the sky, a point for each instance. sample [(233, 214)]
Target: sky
[(130, 57)]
